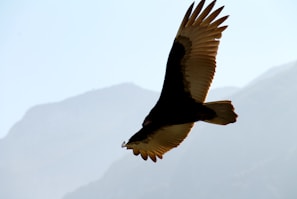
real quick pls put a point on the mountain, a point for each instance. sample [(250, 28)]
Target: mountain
[(253, 158), (58, 147), (61, 146), (72, 148)]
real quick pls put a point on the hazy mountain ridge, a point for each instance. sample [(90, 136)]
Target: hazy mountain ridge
[(253, 158), (61, 146)]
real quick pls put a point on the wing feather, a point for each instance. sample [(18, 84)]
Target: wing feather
[(212, 16), (204, 13), (195, 13)]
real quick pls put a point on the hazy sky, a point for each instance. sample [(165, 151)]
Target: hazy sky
[(51, 50)]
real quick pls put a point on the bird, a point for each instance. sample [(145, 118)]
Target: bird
[(189, 72)]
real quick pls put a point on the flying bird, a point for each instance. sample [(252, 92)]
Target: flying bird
[(189, 72)]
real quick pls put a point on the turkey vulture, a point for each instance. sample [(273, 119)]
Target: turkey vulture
[(190, 69)]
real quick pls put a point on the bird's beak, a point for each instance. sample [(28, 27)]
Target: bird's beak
[(124, 144)]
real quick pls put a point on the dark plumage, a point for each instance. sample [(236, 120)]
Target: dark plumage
[(189, 73)]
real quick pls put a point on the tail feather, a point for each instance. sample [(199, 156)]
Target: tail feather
[(224, 112)]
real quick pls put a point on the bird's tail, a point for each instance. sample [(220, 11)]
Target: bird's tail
[(224, 112)]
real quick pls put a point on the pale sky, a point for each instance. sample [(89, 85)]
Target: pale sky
[(51, 49)]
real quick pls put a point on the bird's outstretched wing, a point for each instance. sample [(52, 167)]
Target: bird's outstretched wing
[(192, 59), (199, 33), (155, 143)]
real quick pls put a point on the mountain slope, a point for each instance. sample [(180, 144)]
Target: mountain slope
[(253, 158), (60, 146)]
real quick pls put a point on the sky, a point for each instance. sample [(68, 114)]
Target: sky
[(51, 50)]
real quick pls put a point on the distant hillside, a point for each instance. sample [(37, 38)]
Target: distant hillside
[(60, 146), (253, 158), (67, 148)]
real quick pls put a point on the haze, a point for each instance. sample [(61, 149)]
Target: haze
[(51, 50)]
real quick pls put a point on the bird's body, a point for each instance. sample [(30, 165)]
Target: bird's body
[(189, 73)]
